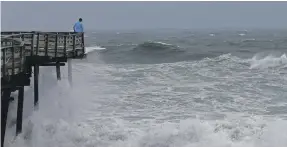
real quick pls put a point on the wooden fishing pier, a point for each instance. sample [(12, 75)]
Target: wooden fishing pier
[(21, 55)]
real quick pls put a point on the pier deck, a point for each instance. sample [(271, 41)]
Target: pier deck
[(20, 51)]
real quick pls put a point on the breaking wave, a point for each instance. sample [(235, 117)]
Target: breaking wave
[(261, 61), (151, 46), (93, 48)]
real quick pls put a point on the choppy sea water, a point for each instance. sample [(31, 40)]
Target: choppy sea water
[(165, 88)]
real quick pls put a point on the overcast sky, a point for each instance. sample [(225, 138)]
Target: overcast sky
[(60, 16)]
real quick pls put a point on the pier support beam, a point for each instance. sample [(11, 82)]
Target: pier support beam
[(5, 100), (20, 110), (36, 86), (58, 71)]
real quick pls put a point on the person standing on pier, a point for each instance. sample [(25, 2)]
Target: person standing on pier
[(78, 27)]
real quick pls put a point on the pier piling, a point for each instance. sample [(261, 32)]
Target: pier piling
[(5, 95), (70, 72), (58, 71), (20, 110), (36, 86)]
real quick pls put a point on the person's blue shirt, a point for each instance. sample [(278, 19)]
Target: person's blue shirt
[(78, 27)]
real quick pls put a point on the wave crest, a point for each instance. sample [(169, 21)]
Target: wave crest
[(155, 46), (259, 61)]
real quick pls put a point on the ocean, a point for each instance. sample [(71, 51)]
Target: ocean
[(164, 88)]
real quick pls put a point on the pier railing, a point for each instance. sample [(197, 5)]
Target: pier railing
[(15, 46), (54, 44), (12, 56)]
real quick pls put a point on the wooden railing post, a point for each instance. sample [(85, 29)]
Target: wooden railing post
[(4, 63), (46, 44), (22, 53), (83, 43), (37, 45), (56, 45), (74, 45), (13, 57), (32, 45), (65, 46)]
